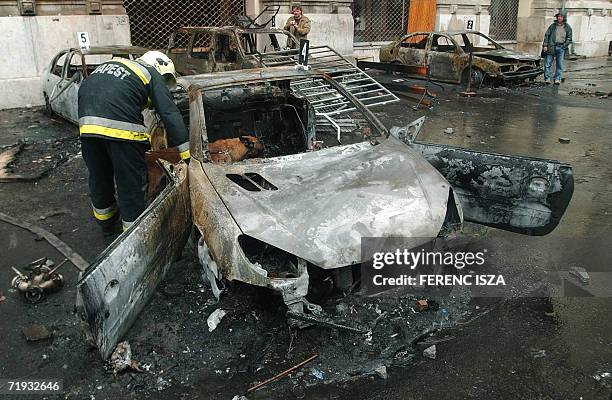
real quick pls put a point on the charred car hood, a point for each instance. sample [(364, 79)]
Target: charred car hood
[(509, 55), (326, 201)]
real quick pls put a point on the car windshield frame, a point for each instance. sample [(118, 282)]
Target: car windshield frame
[(464, 36)]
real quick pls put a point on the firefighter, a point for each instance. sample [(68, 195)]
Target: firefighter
[(114, 138)]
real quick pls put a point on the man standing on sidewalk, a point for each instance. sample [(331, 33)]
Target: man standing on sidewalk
[(557, 39)]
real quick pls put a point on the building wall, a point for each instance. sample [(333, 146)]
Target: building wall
[(454, 15), (331, 21), (31, 41)]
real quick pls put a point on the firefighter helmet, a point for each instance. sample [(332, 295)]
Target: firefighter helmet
[(162, 64)]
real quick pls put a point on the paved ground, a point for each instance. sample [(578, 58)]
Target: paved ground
[(526, 347)]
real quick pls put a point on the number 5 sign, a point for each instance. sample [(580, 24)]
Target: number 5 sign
[(83, 39)]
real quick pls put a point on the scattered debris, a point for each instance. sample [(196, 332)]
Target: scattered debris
[(341, 308), (121, 359), (34, 333), (449, 131), (54, 214), (214, 319), (33, 169), (422, 305), (432, 341), (317, 373), (173, 289), (42, 279), (381, 371), (564, 140), (603, 375), (284, 373), (76, 260), (581, 274), (162, 384), (430, 352)]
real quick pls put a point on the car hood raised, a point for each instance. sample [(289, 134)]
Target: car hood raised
[(508, 54), (329, 199)]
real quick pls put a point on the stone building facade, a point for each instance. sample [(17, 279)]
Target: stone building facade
[(35, 30)]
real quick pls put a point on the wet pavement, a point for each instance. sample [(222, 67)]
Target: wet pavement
[(530, 346)]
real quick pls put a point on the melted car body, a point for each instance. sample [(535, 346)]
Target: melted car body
[(445, 57), (313, 182)]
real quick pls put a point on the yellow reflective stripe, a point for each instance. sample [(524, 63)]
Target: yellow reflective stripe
[(104, 217), (113, 132), (133, 68), (185, 154)]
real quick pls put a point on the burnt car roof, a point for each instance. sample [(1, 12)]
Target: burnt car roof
[(229, 28), (449, 32), (217, 79), (111, 49)]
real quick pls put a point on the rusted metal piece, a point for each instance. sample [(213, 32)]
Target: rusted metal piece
[(422, 305), (284, 373), (448, 61), (111, 293)]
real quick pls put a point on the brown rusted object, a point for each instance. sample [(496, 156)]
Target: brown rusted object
[(422, 305), (235, 149), (155, 172), (284, 373)]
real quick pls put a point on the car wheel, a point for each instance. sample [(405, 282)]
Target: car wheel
[(48, 109), (476, 79), (396, 62)]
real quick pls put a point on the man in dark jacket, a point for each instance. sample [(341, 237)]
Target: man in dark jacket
[(114, 138), (557, 39)]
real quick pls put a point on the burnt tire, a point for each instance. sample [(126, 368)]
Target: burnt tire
[(48, 110), (476, 78)]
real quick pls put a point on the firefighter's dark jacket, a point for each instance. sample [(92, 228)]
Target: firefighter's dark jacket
[(113, 96)]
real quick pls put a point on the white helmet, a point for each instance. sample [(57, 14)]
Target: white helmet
[(162, 64)]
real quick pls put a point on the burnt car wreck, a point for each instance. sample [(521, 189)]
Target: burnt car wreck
[(445, 57), (289, 171)]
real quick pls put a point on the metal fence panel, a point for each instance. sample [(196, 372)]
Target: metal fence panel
[(504, 14), (152, 21), (379, 20)]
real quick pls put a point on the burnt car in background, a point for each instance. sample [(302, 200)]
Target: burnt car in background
[(445, 56), (200, 50), (62, 78), (311, 182)]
